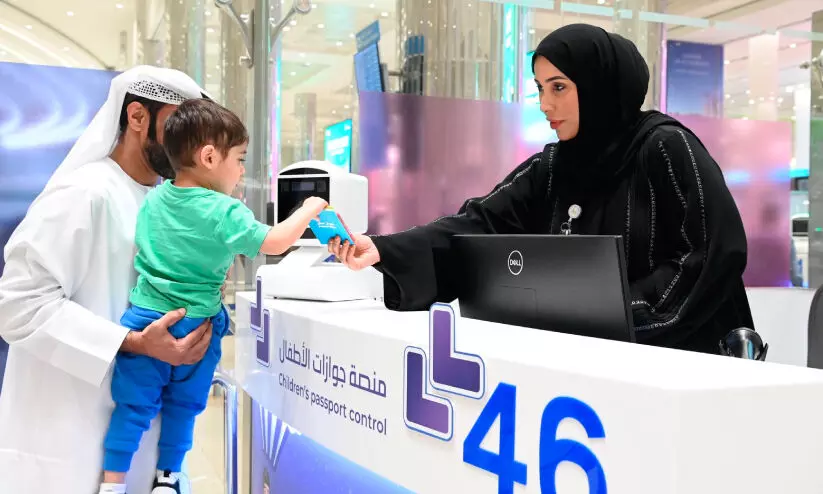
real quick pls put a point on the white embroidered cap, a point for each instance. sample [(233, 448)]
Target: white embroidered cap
[(155, 92)]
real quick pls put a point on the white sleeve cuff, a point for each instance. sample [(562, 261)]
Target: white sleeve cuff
[(77, 342)]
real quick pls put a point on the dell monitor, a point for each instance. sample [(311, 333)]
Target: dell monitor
[(569, 284)]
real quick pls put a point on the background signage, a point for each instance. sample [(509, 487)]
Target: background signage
[(694, 79), (337, 144)]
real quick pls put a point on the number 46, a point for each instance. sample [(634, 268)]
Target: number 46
[(553, 451)]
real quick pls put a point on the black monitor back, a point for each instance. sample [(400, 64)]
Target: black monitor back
[(570, 284)]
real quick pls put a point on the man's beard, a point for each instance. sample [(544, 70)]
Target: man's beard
[(158, 159)]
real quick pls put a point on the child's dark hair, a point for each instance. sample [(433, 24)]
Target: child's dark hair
[(196, 123)]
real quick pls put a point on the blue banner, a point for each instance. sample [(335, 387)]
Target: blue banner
[(369, 35), (694, 79)]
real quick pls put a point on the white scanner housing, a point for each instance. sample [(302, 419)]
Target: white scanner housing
[(310, 273)]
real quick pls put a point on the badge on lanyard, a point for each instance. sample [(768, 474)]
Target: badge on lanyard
[(574, 213)]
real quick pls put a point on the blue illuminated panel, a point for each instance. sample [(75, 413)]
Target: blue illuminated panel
[(337, 144)]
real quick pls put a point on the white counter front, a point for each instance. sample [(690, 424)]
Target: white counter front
[(355, 398)]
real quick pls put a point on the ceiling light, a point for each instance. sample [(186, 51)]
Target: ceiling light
[(728, 96), (793, 45), (371, 5), (286, 28), (726, 62), (208, 76), (292, 73), (531, 31), (293, 22), (119, 5), (601, 2), (70, 13), (321, 26), (351, 35), (779, 100), (339, 43), (334, 112), (210, 30), (346, 107), (751, 101), (307, 64), (384, 14), (748, 92), (29, 27), (303, 55)]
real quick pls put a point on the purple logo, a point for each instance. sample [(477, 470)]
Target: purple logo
[(424, 412), (447, 370), (260, 321)]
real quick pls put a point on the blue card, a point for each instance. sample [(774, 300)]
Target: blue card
[(330, 226)]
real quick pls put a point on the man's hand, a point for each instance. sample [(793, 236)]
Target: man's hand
[(155, 341)]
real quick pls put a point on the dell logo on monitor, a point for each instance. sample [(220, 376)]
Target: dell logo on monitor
[(515, 262)]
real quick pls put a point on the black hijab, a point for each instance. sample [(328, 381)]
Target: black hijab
[(612, 80)]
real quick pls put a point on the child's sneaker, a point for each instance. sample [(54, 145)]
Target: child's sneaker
[(112, 489), (166, 482)]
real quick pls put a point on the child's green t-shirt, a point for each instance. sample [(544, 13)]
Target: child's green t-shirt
[(186, 241)]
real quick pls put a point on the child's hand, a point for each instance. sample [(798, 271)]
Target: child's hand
[(315, 205)]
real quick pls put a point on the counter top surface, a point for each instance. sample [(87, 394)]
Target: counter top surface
[(625, 362)]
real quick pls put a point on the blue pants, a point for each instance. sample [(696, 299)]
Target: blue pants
[(142, 387)]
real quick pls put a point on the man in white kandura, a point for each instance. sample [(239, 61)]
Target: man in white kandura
[(69, 269)]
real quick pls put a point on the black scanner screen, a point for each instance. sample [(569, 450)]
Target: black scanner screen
[(292, 192)]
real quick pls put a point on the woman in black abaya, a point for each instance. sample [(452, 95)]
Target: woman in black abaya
[(642, 175)]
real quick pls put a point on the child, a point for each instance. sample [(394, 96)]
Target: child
[(188, 233)]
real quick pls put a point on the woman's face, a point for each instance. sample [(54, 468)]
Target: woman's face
[(558, 99)]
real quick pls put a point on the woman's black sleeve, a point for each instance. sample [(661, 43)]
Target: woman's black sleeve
[(418, 265), (698, 245)]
